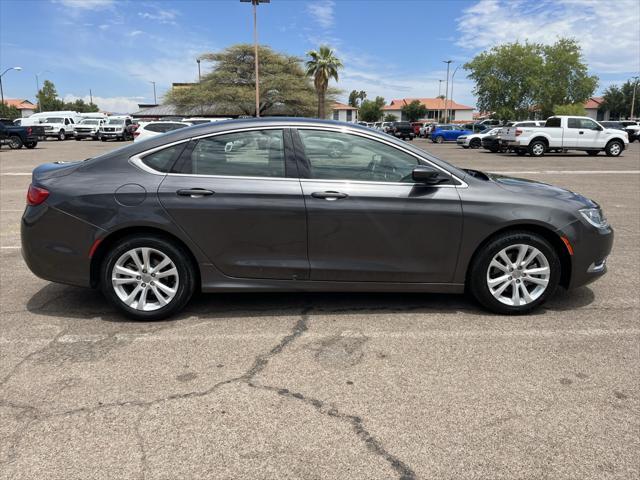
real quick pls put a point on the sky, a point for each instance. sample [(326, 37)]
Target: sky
[(391, 48)]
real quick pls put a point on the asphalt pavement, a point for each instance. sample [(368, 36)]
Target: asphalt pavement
[(326, 386)]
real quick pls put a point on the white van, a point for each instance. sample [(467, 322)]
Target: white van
[(38, 118), (59, 126)]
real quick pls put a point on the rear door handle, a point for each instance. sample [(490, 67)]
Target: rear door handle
[(195, 192), (329, 195)]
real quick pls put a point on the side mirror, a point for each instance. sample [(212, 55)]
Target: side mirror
[(425, 174), (598, 127)]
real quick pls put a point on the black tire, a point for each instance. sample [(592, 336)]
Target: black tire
[(593, 153), (77, 139), (521, 152), (180, 258), (614, 148), (62, 135), (31, 144), (477, 273), (15, 142), (103, 139), (465, 147), (475, 143), (537, 148), (439, 139)]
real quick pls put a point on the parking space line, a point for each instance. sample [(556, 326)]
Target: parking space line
[(15, 174), (10, 247)]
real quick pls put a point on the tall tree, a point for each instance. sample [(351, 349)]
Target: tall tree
[(614, 101), (322, 66), (414, 110), (48, 97), (356, 98), (371, 110), (514, 79), (229, 88)]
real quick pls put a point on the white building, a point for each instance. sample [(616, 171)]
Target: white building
[(594, 109), (435, 109), (343, 113)]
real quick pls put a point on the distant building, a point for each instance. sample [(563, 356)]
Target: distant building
[(595, 110), (25, 106), (435, 109), (343, 113)]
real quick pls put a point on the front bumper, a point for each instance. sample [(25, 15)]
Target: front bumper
[(464, 142), (591, 247), (112, 134), (55, 245), (86, 134)]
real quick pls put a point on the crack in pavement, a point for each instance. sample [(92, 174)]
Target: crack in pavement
[(260, 363)]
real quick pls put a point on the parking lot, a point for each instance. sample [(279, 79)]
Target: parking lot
[(329, 386)]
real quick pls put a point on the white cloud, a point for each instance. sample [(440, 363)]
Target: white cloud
[(135, 33), (161, 16), (86, 4), (608, 32), (322, 12), (110, 104)]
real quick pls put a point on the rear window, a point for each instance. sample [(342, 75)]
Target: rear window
[(403, 124), (162, 160), (552, 122)]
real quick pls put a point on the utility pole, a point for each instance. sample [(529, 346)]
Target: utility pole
[(446, 88), (90, 96), (255, 3), (633, 98), (452, 77), (199, 75), (17, 69), (439, 99), (155, 102)]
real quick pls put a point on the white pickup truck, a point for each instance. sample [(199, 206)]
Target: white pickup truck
[(565, 133)]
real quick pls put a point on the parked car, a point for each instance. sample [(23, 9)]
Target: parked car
[(88, 128), (384, 127), (151, 129), (567, 133), (625, 126), (494, 122), (59, 127), (117, 128), (17, 136), (402, 130), (633, 129), (416, 127), (41, 117), (276, 216), (493, 143), (474, 140), (448, 133)]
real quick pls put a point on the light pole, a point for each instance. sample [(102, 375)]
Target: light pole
[(439, 95), (633, 98), (38, 87), (199, 76), (1, 74), (452, 77), (446, 88), (155, 102), (255, 3)]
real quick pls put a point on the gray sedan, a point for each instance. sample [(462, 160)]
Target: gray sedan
[(260, 205)]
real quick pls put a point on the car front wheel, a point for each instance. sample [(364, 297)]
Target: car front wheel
[(147, 277), (439, 139), (514, 273), (614, 148)]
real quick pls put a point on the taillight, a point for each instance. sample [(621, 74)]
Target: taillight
[(136, 133), (518, 132), (36, 195), (29, 130)]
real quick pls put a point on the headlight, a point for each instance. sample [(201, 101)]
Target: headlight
[(595, 217)]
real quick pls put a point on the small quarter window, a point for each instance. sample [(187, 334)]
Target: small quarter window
[(162, 160)]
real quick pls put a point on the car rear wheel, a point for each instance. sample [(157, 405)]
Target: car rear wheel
[(593, 153), (614, 148), (521, 152), (147, 277), (537, 148), (439, 139), (15, 142), (475, 143), (31, 144), (514, 273)]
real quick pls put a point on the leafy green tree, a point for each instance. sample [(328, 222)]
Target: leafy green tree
[(81, 106), (414, 110), (356, 98), (322, 66), (513, 79), (371, 110), (48, 100), (618, 100), (565, 77), (627, 91), (576, 109), (230, 86), (390, 117), (9, 111)]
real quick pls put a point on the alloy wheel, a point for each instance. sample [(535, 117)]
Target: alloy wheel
[(145, 279), (518, 275), (538, 149), (614, 149)]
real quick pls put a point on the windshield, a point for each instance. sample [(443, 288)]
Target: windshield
[(115, 121), (53, 120), (89, 122)]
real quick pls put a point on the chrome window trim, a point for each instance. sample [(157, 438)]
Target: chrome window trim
[(136, 160)]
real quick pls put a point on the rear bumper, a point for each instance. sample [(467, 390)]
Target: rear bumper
[(55, 245)]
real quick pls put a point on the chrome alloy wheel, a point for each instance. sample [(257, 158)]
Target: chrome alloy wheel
[(538, 149), (145, 279), (614, 149), (518, 275)]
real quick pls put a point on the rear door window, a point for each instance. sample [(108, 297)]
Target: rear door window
[(553, 122)]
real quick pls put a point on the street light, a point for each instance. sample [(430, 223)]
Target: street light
[(452, 77), (155, 102), (38, 86), (199, 76), (439, 95), (255, 3), (446, 88), (1, 74), (633, 98)]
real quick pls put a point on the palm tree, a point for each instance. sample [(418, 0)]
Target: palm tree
[(323, 66)]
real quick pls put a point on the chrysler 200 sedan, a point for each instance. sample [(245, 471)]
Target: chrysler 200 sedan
[(299, 205)]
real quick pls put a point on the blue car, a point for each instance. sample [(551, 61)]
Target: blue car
[(448, 133)]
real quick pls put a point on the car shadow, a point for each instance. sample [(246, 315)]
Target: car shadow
[(74, 302)]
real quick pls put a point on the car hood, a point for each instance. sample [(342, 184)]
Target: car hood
[(540, 189)]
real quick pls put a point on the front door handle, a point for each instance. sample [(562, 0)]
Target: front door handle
[(329, 195), (195, 192), (581, 133)]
